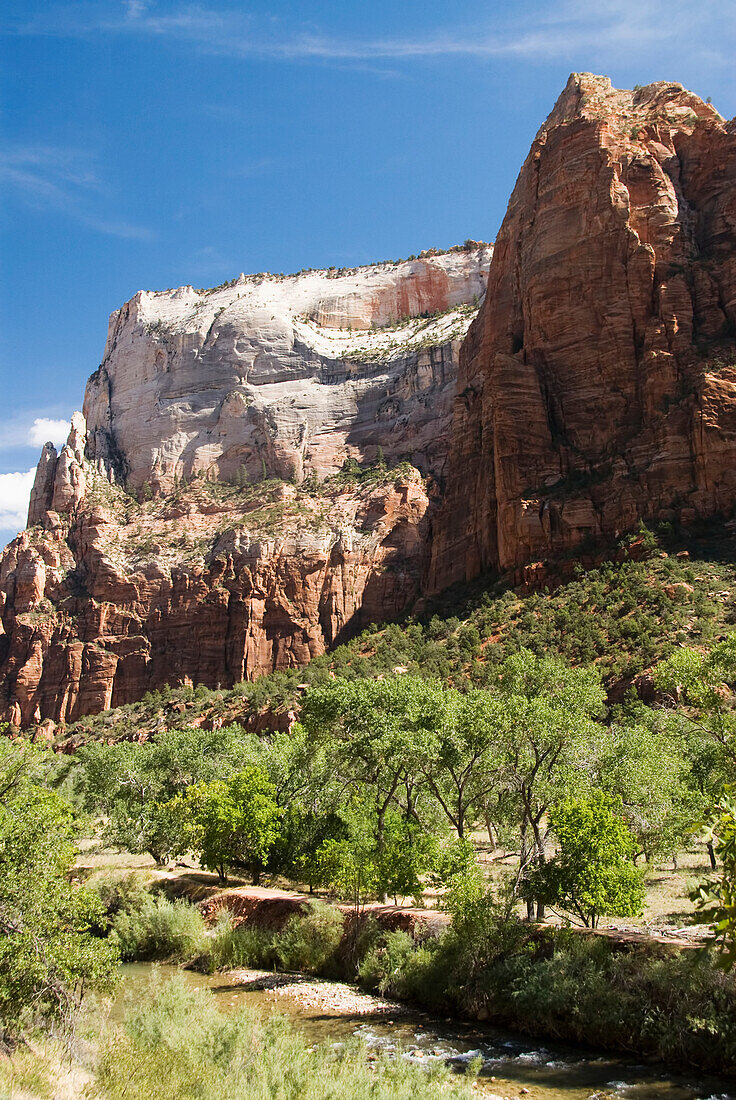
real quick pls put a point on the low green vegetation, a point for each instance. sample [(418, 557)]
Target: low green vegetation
[(49, 953), (621, 617), (673, 1006), (507, 758), (178, 1044), (491, 965)]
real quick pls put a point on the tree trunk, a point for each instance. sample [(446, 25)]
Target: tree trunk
[(712, 856), (523, 861), (380, 828), (492, 838), (541, 857)]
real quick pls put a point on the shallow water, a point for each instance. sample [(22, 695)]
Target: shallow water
[(549, 1071)]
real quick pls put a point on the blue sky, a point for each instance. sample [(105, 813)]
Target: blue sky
[(150, 143)]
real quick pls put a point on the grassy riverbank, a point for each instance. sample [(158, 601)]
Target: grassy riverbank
[(176, 1043), (658, 1002)]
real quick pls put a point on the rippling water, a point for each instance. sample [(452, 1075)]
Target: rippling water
[(548, 1071)]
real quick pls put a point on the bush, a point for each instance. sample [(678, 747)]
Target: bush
[(310, 942), (142, 926), (678, 1007), (385, 966), (126, 893), (229, 948), (178, 1044)]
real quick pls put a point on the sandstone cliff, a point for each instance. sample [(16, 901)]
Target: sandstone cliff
[(183, 535), (291, 374), (196, 527), (598, 385)]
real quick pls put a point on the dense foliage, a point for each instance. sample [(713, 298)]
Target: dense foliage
[(512, 727), (49, 953)]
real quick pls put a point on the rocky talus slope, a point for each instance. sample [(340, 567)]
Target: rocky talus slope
[(598, 384), (196, 528)]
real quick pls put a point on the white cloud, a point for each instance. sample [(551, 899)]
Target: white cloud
[(44, 430), (25, 430), (15, 490), (609, 27), (51, 178)]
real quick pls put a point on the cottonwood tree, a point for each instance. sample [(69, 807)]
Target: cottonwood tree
[(49, 952), (700, 695), (645, 765), (548, 743), (715, 899), (131, 785), (593, 873), (463, 764), (230, 824), (376, 734)]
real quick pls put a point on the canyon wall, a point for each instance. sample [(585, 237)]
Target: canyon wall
[(287, 374), (196, 527), (209, 518), (598, 384)]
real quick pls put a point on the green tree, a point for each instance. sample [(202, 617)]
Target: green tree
[(548, 745), (49, 953), (230, 824), (131, 785), (646, 766), (715, 899), (464, 765), (593, 873), (700, 692), (376, 734), (349, 867), (404, 860), (302, 834)]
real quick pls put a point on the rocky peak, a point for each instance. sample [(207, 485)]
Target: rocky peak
[(598, 385), (593, 98)]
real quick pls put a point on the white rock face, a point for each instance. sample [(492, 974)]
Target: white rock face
[(288, 374), (60, 483)]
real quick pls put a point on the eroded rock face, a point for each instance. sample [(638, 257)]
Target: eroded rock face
[(208, 587), (105, 597), (291, 375), (598, 385)]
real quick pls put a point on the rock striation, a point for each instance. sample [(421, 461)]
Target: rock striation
[(207, 519), (186, 532), (597, 386), (291, 375)]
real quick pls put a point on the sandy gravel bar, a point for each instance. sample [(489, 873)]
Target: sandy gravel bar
[(337, 998)]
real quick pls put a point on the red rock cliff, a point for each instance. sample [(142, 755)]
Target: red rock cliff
[(598, 384), (212, 585), (168, 542)]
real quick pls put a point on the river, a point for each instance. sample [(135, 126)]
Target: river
[(511, 1063)]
